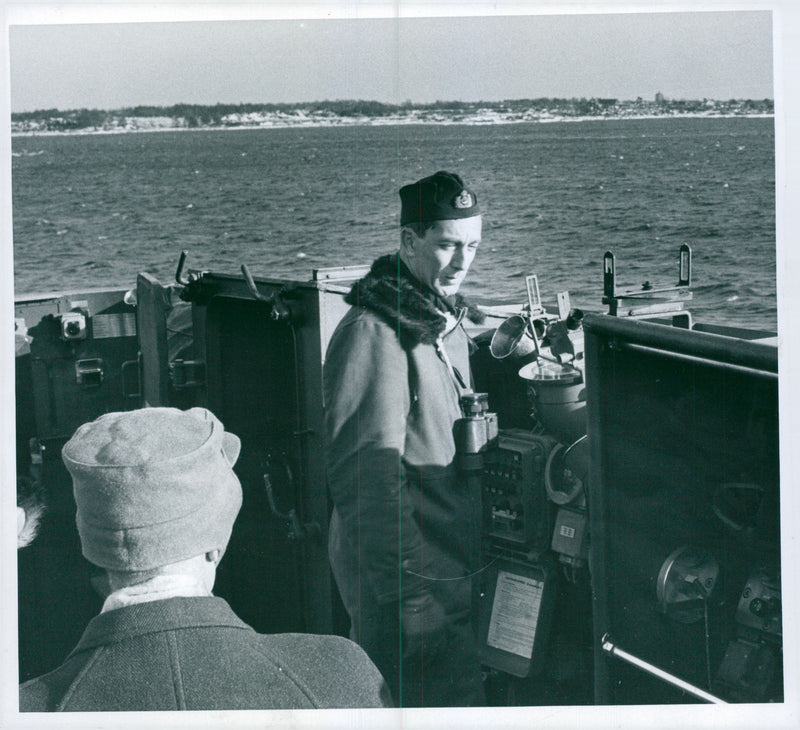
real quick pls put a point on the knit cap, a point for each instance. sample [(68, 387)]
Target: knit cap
[(153, 486)]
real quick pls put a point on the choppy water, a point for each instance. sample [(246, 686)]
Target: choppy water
[(95, 210)]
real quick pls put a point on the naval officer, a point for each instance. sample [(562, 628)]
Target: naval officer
[(404, 531)]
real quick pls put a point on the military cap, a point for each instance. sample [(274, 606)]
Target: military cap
[(442, 196)]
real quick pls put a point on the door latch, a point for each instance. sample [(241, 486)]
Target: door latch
[(297, 530), (89, 372)]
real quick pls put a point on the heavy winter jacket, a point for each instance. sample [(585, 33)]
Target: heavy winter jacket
[(403, 519), (196, 654)]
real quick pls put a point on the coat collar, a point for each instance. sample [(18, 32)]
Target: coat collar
[(415, 312), (156, 616)]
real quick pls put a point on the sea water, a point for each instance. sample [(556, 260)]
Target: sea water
[(95, 210)]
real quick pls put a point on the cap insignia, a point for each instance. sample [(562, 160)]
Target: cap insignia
[(463, 200)]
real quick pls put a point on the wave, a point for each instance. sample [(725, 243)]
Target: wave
[(543, 212)]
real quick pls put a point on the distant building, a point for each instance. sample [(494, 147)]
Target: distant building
[(660, 98)]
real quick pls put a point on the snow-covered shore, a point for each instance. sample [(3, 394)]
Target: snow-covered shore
[(299, 118)]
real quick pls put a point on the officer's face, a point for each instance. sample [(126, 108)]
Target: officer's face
[(441, 258)]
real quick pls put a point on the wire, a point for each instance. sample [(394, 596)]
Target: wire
[(460, 577), (573, 445)]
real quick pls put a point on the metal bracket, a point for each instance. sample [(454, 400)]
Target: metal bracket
[(89, 372), (128, 391), (187, 373), (279, 311), (650, 302), (563, 304), (340, 273), (534, 298), (192, 276)]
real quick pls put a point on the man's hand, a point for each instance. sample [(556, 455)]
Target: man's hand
[(423, 624)]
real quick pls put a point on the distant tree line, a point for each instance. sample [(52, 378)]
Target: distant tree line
[(197, 115)]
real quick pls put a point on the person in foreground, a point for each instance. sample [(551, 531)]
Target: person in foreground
[(156, 500), (405, 529), (31, 507)]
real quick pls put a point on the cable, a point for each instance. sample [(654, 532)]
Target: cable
[(460, 577)]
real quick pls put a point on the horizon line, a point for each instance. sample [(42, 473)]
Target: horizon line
[(406, 104)]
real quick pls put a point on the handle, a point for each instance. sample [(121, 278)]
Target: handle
[(297, 530), (279, 312), (610, 648)]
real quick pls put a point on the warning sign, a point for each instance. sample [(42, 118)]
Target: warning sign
[(515, 613)]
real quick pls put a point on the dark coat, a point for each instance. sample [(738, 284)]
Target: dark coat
[(404, 523), (196, 654)]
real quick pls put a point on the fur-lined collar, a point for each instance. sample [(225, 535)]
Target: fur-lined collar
[(391, 291)]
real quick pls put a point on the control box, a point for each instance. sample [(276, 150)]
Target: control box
[(515, 504), (571, 536)]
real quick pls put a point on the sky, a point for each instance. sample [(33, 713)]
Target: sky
[(683, 55)]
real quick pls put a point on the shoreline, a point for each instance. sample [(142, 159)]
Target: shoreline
[(381, 122)]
